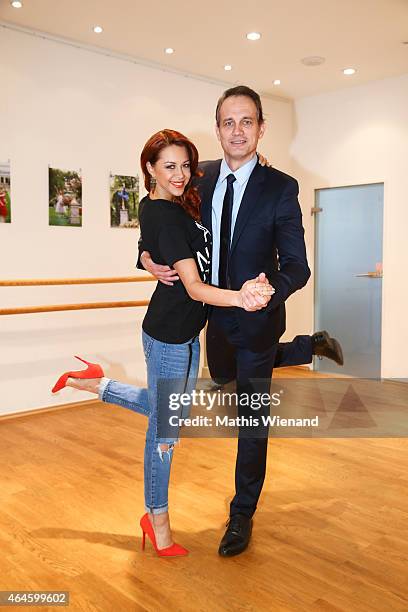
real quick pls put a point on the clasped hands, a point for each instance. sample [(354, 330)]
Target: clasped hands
[(256, 293)]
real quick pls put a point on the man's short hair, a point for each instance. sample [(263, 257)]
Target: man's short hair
[(240, 90)]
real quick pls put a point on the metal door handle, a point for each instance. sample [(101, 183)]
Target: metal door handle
[(378, 274)]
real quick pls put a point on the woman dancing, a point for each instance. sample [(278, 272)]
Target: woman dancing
[(172, 232)]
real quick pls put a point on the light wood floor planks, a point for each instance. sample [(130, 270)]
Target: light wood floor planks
[(330, 533)]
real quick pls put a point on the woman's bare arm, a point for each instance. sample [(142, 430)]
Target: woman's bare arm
[(248, 297)]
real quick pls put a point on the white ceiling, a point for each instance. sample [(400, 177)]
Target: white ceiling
[(364, 34)]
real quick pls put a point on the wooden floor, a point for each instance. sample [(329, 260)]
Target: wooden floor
[(330, 533)]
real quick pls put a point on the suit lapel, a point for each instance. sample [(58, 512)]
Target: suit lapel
[(207, 186), (249, 201)]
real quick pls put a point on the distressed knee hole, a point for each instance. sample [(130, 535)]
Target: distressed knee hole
[(165, 448)]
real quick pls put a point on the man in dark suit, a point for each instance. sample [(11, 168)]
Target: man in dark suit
[(256, 224)]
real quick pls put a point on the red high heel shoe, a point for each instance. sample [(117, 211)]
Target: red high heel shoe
[(93, 370), (175, 550)]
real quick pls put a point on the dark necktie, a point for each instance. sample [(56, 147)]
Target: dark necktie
[(225, 234)]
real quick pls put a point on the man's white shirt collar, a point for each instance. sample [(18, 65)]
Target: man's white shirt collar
[(242, 174)]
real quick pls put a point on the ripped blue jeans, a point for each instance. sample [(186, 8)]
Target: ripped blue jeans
[(171, 368)]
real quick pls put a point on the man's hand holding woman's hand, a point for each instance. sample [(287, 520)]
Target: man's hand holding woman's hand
[(256, 293)]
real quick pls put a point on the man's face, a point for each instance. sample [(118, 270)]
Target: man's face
[(239, 130)]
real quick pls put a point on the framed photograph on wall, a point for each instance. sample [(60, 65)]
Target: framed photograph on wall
[(5, 197), (64, 197), (124, 200)]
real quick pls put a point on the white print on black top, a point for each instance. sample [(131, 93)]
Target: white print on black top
[(203, 258)]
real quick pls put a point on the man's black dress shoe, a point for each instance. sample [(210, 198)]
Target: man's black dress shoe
[(326, 346), (237, 536)]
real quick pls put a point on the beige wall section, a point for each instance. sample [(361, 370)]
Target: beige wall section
[(358, 136), (72, 108)]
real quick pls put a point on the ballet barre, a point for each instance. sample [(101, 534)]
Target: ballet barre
[(73, 281)]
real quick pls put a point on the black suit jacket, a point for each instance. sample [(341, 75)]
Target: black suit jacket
[(268, 237)]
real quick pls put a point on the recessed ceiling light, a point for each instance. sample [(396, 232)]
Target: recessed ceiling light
[(349, 71), (253, 36), (17, 4), (313, 60), (277, 82), (98, 30), (169, 50), (227, 67)]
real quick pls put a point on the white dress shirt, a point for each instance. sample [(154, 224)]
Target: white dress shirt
[(242, 176)]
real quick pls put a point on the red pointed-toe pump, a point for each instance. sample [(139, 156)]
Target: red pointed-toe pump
[(93, 370), (175, 550)]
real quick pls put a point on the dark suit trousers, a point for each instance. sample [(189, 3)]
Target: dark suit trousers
[(297, 352), (221, 355), (253, 375)]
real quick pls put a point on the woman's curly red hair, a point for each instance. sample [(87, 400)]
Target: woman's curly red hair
[(190, 201)]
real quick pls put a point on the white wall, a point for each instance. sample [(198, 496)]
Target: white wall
[(71, 108), (357, 136)]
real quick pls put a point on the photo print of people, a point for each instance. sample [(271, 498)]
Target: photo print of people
[(124, 200), (65, 197), (5, 198)]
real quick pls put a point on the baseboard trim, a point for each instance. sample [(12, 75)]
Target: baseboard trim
[(28, 413)]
